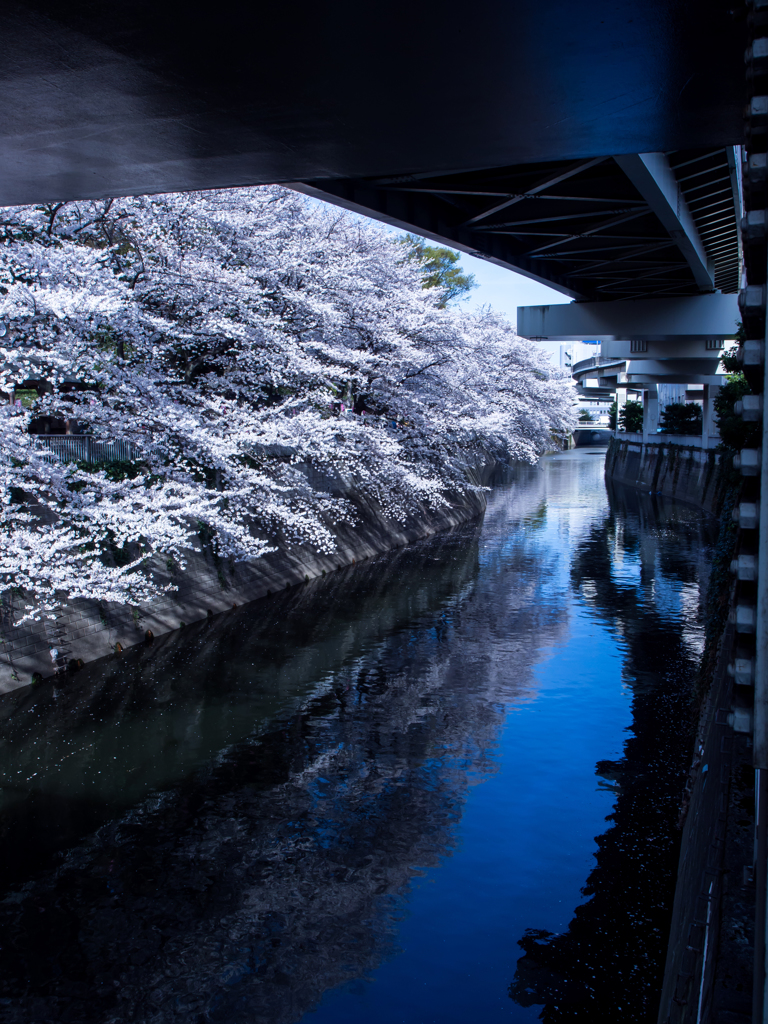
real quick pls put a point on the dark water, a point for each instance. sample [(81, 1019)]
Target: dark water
[(374, 798)]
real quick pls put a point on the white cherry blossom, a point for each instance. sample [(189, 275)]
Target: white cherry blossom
[(269, 359)]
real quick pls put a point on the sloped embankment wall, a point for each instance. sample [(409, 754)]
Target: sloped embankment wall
[(688, 474), (89, 629)]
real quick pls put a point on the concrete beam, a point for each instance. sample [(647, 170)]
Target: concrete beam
[(711, 317), (600, 394), (679, 367), (643, 380), (655, 180), (680, 348)]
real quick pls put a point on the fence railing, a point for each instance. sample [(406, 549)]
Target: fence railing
[(84, 448), (684, 440), (593, 361)]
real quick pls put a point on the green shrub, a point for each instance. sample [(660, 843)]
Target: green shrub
[(681, 418), (734, 432), (631, 417)]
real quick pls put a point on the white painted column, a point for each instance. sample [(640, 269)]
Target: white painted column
[(650, 413), (709, 420)]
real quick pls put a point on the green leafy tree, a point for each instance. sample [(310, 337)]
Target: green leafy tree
[(730, 360), (734, 432), (586, 417), (440, 269), (613, 413), (631, 417), (681, 418), (730, 357)]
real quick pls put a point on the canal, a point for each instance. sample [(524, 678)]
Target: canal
[(436, 787)]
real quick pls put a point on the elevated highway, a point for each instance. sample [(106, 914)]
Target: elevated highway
[(107, 97), (604, 228)]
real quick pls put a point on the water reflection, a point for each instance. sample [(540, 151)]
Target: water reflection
[(348, 802), (644, 572), (73, 757)]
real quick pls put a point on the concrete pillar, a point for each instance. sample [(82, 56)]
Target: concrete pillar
[(710, 435), (650, 413)]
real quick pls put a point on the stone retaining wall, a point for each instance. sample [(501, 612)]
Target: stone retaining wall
[(707, 976), (684, 472), (88, 629)]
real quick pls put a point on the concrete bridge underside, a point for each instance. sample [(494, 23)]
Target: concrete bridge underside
[(112, 98)]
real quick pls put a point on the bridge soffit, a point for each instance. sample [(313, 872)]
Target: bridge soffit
[(655, 180), (603, 229)]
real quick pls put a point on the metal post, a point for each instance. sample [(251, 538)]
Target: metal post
[(709, 419), (621, 401), (761, 663)]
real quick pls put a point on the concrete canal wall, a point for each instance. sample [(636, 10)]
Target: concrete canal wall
[(708, 973), (678, 471), (707, 979), (88, 630)]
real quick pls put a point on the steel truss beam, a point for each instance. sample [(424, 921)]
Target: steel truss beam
[(545, 183), (655, 180), (603, 220)]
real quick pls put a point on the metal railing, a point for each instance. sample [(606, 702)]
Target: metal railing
[(84, 448), (593, 361), (684, 440)]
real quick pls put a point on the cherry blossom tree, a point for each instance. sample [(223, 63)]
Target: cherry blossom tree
[(265, 357)]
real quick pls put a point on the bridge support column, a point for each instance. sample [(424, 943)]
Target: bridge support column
[(650, 413), (709, 427)]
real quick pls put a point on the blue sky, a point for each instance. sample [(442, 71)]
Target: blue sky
[(505, 290)]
